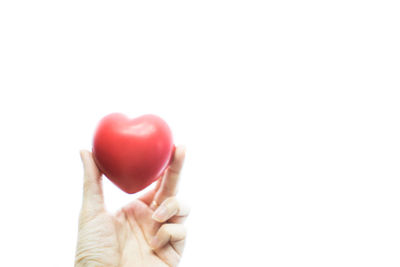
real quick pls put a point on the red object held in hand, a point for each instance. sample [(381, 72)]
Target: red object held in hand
[(132, 153)]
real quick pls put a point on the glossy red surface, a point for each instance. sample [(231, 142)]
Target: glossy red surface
[(132, 153)]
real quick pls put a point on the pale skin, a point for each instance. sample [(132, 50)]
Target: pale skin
[(148, 232)]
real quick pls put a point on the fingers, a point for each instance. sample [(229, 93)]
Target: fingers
[(92, 186), (171, 208), (169, 183), (148, 197), (169, 255), (169, 232), (170, 213)]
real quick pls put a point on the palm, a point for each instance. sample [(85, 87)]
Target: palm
[(124, 238)]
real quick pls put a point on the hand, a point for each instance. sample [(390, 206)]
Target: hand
[(141, 234)]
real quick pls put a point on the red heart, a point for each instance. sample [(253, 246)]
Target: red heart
[(132, 153)]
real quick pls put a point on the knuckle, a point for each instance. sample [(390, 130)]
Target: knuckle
[(183, 230), (171, 203), (170, 200), (174, 169), (180, 233), (164, 230)]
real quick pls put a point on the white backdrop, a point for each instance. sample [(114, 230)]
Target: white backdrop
[(289, 111)]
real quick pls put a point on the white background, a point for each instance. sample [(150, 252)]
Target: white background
[(290, 112)]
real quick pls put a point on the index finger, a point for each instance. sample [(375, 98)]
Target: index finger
[(169, 183)]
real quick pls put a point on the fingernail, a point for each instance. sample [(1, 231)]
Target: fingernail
[(161, 214), (154, 243)]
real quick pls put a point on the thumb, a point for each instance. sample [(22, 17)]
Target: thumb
[(92, 183)]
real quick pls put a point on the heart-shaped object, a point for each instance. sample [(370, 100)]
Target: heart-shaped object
[(132, 153)]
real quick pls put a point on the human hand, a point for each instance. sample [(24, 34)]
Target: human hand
[(141, 234)]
